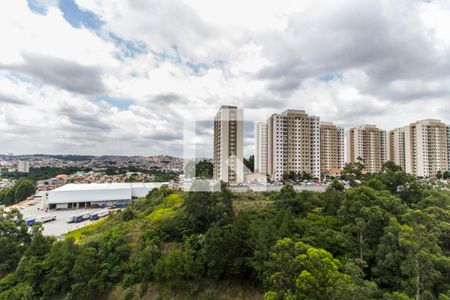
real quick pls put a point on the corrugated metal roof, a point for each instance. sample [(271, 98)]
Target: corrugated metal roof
[(93, 192)]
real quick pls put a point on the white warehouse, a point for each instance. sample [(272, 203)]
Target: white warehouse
[(97, 194)]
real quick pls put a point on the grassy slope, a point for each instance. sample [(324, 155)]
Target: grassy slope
[(208, 290)]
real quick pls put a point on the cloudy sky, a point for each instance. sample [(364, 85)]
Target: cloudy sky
[(115, 76)]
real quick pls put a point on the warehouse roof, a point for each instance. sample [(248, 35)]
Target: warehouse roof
[(100, 192)]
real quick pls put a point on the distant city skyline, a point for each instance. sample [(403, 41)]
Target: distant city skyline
[(113, 77)]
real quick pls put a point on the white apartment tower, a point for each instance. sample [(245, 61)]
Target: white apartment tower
[(261, 148), (293, 140), (368, 143), (23, 166), (331, 147), (426, 148), (228, 145)]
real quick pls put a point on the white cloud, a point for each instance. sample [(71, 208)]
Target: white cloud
[(349, 62)]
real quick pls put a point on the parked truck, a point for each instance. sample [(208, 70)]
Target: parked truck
[(120, 205), (47, 218), (99, 214), (30, 221), (42, 219), (78, 218)]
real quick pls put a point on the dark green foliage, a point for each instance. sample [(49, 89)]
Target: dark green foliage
[(128, 215), (204, 169), (387, 237), (204, 209), (85, 284), (22, 189), (226, 249), (250, 163), (59, 263), (292, 176), (42, 173), (14, 238)]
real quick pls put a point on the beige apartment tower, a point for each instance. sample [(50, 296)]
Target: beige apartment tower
[(293, 140), (331, 148), (261, 148), (368, 143), (228, 145), (448, 146), (396, 146), (426, 148)]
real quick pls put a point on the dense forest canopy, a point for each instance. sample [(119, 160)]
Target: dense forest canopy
[(386, 237)]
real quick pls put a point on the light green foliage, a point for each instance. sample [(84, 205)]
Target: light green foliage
[(299, 271), (161, 214), (173, 200)]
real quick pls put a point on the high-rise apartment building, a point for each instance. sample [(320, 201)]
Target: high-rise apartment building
[(396, 146), (368, 143), (23, 166), (448, 146), (331, 147), (261, 148), (228, 145), (426, 148), (293, 144)]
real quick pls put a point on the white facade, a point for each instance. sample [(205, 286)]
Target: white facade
[(84, 195), (23, 166), (261, 145)]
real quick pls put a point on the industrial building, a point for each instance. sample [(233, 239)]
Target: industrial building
[(96, 194)]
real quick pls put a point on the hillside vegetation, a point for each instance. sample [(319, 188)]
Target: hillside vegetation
[(387, 237)]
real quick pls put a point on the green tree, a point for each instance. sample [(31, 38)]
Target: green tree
[(32, 266), (353, 173), (204, 209), (226, 249), (250, 163), (114, 252), (299, 271), (365, 210), (287, 199), (418, 239), (23, 189), (14, 238), (85, 282), (59, 262), (204, 169), (389, 257)]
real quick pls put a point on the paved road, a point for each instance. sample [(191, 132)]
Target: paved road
[(60, 226)]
